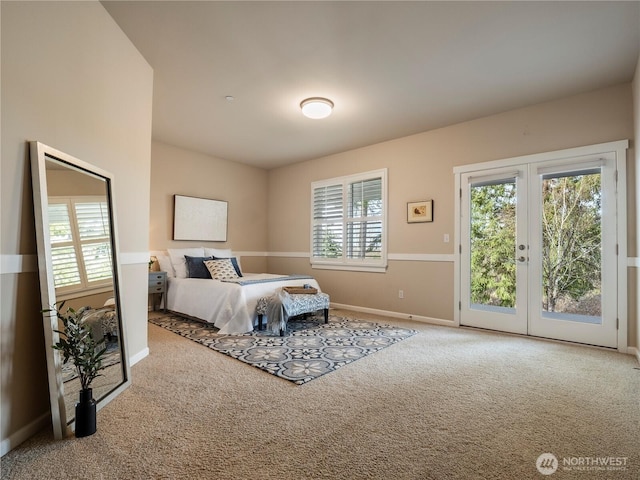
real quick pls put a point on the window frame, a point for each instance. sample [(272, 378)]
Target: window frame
[(377, 265), (84, 286)]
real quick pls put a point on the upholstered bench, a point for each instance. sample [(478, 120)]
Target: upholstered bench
[(299, 304)]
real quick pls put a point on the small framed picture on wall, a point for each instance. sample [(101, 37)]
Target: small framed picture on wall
[(419, 212)]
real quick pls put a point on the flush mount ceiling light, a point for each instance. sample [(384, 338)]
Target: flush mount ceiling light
[(316, 107)]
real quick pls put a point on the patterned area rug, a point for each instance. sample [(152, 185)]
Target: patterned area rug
[(309, 349)]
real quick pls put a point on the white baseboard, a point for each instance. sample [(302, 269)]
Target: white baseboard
[(138, 356), (387, 313), (24, 433), (634, 351)]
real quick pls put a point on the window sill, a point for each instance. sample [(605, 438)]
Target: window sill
[(83, 293), (352, 268)]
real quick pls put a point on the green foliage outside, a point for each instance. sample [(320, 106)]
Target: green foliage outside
[(571, 240), (493, 226), (330, 246), (571, 243)]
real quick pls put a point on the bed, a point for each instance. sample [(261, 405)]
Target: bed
[(228, 303)]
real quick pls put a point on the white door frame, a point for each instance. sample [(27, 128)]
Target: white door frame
[(619, 149)]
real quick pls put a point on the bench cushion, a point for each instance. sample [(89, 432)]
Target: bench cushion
[(278, 314), (300, 303)]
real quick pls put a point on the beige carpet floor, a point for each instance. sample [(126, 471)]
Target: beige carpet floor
[(444, 404)]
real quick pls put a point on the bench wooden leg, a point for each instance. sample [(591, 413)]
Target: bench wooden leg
[(259, 321), (326, 315)]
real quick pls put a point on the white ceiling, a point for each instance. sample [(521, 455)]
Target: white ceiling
[(391, 68)]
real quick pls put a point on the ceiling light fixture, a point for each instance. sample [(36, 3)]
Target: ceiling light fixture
[(316, 107)]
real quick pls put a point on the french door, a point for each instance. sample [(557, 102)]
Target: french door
[(538, 249)]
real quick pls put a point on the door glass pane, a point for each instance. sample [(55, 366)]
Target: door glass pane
[(493, 245), (571, 246)]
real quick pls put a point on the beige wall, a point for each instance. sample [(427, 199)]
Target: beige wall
[(64, 183), (421, 167), (183, 172), (72, 80)]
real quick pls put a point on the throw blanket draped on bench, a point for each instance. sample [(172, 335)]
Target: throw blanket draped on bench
[(277, 309), (281, 306)]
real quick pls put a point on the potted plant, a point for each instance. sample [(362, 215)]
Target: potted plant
[(78, 345)]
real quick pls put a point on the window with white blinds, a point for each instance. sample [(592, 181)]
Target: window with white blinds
[(349, 222), (79, 232)]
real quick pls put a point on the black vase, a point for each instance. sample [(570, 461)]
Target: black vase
[(86, 414)]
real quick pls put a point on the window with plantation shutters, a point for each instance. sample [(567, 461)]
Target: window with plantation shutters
[(79, 232), (65, 264), (349, 222)]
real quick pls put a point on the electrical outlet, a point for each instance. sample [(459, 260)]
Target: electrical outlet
[(446, 238), (400, 293)]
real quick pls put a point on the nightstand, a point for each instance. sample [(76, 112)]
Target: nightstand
[(158, 285)]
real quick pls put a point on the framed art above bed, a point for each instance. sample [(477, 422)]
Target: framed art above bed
[(199, 219)]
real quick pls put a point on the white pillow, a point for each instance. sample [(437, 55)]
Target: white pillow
[(178, 261), (165, 265), (217, 252), (221, 269)]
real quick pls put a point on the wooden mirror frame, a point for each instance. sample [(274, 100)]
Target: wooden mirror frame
[(40, 154)]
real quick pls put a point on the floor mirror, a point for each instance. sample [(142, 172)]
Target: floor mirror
[(78, 263)]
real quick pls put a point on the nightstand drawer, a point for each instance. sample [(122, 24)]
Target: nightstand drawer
[(157, 282), (156, 289), (158, 285)]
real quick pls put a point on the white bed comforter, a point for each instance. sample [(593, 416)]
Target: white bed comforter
[(230, 307)]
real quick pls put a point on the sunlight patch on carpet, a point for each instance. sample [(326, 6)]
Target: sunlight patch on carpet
[(308, 350)]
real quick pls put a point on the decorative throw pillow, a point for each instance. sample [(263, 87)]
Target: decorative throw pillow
[(196, 267), (234, 262), (221, 269)]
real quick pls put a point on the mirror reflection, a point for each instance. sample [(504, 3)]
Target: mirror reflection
[(81, 254), (76, 240)]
